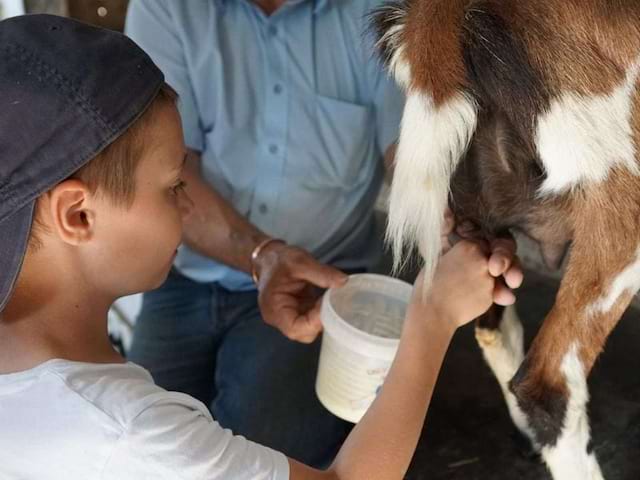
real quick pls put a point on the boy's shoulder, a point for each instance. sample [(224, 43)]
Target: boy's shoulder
[(117, 393), (122, 391)]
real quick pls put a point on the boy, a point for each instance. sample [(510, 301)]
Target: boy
[(91, 156)]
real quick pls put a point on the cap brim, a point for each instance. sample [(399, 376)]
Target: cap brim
[(14, 236)]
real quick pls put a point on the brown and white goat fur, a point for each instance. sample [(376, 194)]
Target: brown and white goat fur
[(525, 114)]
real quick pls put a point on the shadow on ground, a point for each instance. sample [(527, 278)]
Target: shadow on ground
[(468, 434)]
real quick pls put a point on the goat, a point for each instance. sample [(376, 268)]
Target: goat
[(525, 114)]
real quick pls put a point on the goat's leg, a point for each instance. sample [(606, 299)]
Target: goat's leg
[(551, 390), (500, 336), (602, 276)]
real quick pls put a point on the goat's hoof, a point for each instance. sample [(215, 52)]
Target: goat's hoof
[(488, 338)]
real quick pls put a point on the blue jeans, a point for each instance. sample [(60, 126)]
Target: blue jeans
[(212, 344)]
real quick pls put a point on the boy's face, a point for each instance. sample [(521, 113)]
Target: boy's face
[(135, 247)]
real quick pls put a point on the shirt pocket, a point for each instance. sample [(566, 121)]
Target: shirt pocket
[(344, 134)]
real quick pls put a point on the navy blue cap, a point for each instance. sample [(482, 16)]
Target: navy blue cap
[(67, 90)]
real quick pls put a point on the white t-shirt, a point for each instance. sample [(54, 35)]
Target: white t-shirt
[(69, 420)]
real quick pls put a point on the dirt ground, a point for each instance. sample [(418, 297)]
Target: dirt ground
[(469, 436)]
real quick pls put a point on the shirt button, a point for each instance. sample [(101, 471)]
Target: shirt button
[(273, 149), (277, 89), (273, 30), (263, 208)]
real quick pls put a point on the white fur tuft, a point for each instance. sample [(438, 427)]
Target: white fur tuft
[(627, 281), (432, 142)]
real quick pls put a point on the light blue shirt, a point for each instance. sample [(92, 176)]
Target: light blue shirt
[(292, 113)]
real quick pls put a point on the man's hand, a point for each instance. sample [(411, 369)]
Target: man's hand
[(290, 285)]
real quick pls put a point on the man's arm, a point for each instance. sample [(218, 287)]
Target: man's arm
[(287, 274), (214, 228)]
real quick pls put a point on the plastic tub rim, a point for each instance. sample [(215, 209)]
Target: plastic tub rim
[(336, 324)]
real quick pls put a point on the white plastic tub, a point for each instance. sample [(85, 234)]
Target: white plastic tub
[(362, 325)]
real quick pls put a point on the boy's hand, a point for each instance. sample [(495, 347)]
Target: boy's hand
[(502, 263), (471, 276), (462, 288), (505, 267)]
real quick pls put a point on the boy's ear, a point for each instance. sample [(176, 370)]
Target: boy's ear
[(72, 217)]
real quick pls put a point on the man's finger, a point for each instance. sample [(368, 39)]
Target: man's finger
[(281, 316), (313, 315), (306, 339), (297, 320), (320, 275), (306, 328), (298, 327)]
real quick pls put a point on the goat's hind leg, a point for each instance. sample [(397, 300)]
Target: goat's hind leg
[(551, 390), (551, 385), (602, 276), (500, 336)]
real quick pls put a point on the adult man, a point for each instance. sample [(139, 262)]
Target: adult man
[(287, 113)]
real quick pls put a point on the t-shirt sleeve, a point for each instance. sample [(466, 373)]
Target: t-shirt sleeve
[(153, 26), (176, 438)]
